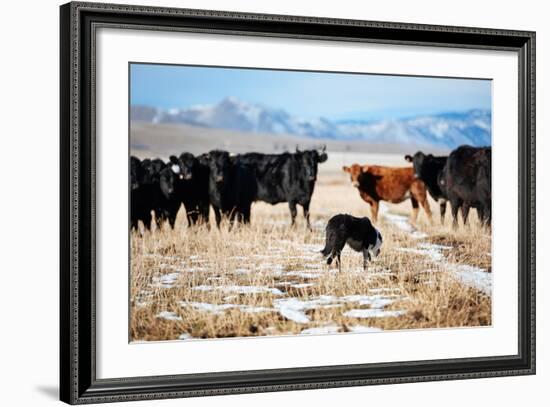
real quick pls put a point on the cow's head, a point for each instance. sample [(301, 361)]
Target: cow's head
[(425, 164), (219, 163), (175, 167), (309, 160), (355, 171), (136, 173), (417, 161), (167, 181), (188, 164), (151, 170)]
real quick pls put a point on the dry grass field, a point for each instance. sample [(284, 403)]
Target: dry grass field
[(269, 278)]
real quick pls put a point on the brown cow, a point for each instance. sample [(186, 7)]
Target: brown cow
[(392, 184)]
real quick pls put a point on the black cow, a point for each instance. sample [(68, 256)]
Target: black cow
[(220, 191), (466, 179), (140, 208), (168, 202), (358, 233), (276, 178), (153, 189), (192, 187), (429, 169), (231, 186)]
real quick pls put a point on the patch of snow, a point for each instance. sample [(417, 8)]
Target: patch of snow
[(220, 308), (253, 310), (320, 330), (372, 313), (169, 315), (435, 255), (384, 290), (240, 289), (293, 308), (184, 336), (195, 269), (433, 246), (474, 277), (304, 274), (315, 248), (165, 280), (271, 267), (302, 285), (313, 266), (374, 301), (402, 222), (364, 329), (294, 315)]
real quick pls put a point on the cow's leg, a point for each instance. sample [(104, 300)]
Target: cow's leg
[(234, 215), (246, 214), (305, 206), (189, 216), (442, 210), (172, 220), (293, 212), (426, 205), (366, 259), (205, 213), (218, 216), (480, 214), (147, 219), (172, 215), (191, 213), (455, 205), (134, 224), (159, 218), (485, 214), (418, 192), (465, 210), (414, 214), (374, 210)]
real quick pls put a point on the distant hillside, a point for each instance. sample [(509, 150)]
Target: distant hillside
[(441, 131)]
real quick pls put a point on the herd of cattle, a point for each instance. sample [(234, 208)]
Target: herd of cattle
[(228, 183), (231, 183)]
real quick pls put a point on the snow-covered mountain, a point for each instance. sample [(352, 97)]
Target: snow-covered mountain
[(446, 130)]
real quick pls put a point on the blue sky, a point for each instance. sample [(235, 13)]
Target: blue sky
[(307, 94)]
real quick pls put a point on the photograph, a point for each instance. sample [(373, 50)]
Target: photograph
[(269, 202)]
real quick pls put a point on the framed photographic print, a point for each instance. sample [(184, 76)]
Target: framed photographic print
[(255, 203)]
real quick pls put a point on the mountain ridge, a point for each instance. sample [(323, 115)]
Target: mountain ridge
[(447, 129)]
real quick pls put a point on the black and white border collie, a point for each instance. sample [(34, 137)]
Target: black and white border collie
[(358, 233)]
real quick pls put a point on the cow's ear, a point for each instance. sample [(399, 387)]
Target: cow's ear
[(408, 158), (322, 157), (346, 169)]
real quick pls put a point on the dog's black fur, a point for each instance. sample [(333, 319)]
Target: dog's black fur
[(358, 233)]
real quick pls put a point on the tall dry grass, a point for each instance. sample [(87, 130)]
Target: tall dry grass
[(175, 273)]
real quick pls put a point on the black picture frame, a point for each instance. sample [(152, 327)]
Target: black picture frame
[(78, 382)]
